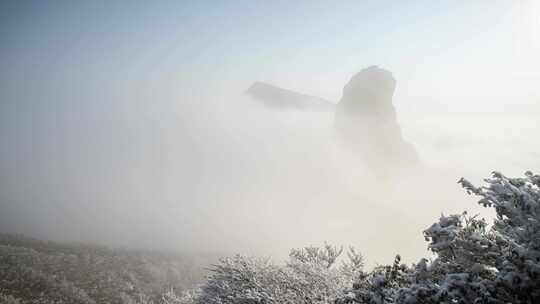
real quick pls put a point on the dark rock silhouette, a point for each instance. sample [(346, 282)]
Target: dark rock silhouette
[(365, 119), (278, 98)]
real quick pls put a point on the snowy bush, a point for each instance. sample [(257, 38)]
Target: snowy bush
[(473, 264), (310, 276)]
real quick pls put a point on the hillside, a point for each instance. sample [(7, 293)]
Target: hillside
[(34, 271)]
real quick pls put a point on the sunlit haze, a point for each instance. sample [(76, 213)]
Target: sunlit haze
[(127, 123)]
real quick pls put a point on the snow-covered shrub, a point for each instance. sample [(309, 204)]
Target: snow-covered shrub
[(352, 269), (473, 264), (310, 276), (188, 296)]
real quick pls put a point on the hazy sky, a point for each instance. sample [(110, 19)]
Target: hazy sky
[(484, 48), (116, 121)]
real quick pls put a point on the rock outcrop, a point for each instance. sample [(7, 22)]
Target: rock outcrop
[(365, 120), (282, 99)]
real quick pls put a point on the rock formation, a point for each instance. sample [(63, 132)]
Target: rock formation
[(365, 120), (282, 99)]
